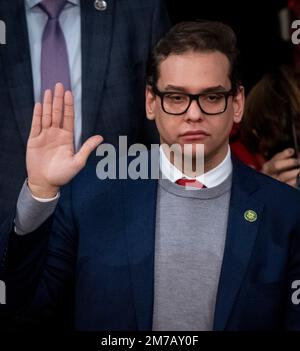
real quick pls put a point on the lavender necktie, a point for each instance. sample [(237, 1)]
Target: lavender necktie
[(54, 57)]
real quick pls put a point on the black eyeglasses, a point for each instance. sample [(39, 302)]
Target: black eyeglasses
[(174, 103)]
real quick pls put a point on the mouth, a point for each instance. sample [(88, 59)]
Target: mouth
[(194, 135)]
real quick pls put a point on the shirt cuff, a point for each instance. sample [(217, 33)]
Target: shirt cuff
[(40, 199)]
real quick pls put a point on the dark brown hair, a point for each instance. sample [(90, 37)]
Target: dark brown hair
[(197, 36), (272, 111)]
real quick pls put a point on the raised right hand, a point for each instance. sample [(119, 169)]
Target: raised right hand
[(51, 159)]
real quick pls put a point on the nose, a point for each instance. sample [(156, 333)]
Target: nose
[(194, 113)]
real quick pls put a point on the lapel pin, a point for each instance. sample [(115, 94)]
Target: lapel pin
[(100, 5), (250, 216)]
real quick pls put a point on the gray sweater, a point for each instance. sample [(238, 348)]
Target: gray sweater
[(190, 236)]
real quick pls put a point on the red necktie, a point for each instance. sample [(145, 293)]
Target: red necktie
[(190, 183)]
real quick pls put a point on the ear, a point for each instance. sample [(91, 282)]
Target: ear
[(238, 104), (150, 103)]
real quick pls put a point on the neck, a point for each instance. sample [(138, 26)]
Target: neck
[(212, 161)]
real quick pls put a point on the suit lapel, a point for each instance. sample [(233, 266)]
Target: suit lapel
[(241, 235), (17, 64), (96, 31), (96, 34), (140, 212)]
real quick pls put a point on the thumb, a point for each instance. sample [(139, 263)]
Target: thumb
[(86, 149)]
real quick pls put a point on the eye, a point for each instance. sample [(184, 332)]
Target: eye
[(176, 98), (213, 97)]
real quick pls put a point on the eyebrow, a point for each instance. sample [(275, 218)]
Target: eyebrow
[(218, 88)]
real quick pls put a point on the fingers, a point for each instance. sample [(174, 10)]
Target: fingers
[(59, 111), (58, 105), (36, 124), (86, 149), (284, 165), (68, 121), (284, 154), (278, 164), (47, 109), (289, 176), (293, 183)]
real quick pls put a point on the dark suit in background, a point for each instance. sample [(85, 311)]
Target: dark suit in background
[(115, 48)]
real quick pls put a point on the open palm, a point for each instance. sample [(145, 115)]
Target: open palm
[(51, 158)]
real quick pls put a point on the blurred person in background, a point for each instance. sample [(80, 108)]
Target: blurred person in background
[(269, 134), (99, 50)]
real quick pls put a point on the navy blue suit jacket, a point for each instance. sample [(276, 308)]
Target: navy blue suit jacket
[(115, 47), (102, 247)]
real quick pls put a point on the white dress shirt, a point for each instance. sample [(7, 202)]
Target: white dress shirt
[(70, 22), (210, 179)]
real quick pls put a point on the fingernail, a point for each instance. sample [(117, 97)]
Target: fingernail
[(291, 151)]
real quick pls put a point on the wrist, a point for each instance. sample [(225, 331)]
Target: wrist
[(43, 192)]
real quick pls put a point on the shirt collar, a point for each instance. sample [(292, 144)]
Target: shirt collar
[(210, 179), (32, 3)]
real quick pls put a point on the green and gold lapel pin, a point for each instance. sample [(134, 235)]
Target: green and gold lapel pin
[(250, 216)]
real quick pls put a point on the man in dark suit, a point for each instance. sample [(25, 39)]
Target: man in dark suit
[(107, 48), (190, 251)]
